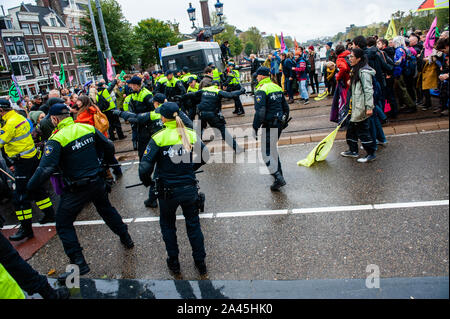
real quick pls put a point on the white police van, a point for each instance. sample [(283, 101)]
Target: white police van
[(193, 54)]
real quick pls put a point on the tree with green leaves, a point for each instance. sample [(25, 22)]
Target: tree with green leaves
[(252, 35), (229, 34), (270, 42), (249, 48), (153, 34), (120, 36)]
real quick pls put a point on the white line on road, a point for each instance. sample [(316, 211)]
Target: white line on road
[(313, 210)]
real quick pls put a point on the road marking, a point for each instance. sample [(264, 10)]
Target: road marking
[(299, 211)]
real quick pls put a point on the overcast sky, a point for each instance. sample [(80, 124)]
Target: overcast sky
[(307, 19)]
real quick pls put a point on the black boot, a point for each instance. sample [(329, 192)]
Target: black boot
[(135, 145), (201, 267), (151, 203), (25, 231), (49, 216), (174, 265), (49, 293), (279, 182), (127, 241), (77, 259)]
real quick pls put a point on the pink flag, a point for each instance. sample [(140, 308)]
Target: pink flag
[(431, 39), (71, 78), (109, 70), (56, 78), (283, 45)]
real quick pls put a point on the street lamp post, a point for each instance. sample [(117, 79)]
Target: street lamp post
[(209, 31)]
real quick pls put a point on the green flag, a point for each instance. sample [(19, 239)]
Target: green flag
[(122, 74), (62, 75), (13, 93)]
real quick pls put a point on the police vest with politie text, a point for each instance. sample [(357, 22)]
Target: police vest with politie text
[(15, 136)]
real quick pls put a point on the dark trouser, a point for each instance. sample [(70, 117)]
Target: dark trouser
[(134, 133), (427, 95), (23, 171), (331, 86), (288, 85), (72, 203), (270, 148), (314, 81), (279, 77), (238, 108), (114, 125), (26, 277), (401, 93), (443, 88), (360, 130), (143, 141), (186, 198), (390, 97), (219, 123), (410, 83)]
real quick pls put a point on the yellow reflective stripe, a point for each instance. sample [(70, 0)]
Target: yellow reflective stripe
[(45, 201), (24, 214), (19, 138), (45, 206)]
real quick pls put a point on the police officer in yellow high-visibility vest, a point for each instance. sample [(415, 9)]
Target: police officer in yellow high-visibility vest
[(106, 104), (186, 75), (15, 137), (232, 84), (190, 103)]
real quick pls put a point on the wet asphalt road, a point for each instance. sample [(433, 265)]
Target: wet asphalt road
[(403, 242)]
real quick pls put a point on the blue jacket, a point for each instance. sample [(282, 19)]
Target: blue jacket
[(288, 64), (275, 64), (399, 60)]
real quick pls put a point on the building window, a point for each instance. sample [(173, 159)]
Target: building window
[(30, 47), (65, 41), (54, 58), (36, 68), (9, 24), (74, 40), (53, 22), (74, 80), (26, 28), (35, 29), (3, 62), (69, 57), (61, 58), (20, 48), (57, 40), (10, 48), (40, 47), (21, 68), (49, 41), (5, 85)]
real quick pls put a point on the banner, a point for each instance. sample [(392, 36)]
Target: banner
[(14, 94), (62, 75), (431, 39), (433, 5), (391, 31)]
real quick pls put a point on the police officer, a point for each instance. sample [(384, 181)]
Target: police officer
[(233, 83), (210, 110), (192, 102), (15, 137), (186, 75), (217, 75), (272, 112), (106, 104), (171, 150), (161, 81), (139, 102), (78, 150), (174, 88)]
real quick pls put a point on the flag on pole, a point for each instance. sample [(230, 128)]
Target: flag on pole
[(121, 76), (13, 93), (391, 31), (296, 44), (13, 77), (431, 39), (62, 75), (277, 42), (56, 78), (321, 151), (109, 70), (283, 45), (433, 5), (70, 79)]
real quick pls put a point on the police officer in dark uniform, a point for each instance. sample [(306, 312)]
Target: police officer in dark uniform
[(232, 84), (272, 113), (78, 150), (171, 151), (106, 104), (210, 110), (16, 139), (174, 89)]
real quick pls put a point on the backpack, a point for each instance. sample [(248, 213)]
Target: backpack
[(308, 65), (102, 103), (410, 68), (101, 122)]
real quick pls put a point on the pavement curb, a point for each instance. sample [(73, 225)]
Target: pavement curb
[(220, 147)]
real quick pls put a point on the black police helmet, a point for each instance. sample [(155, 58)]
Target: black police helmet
[(263, 71), (168, 110), (58, 109), (4, 104), (160, 98), (135, 80)]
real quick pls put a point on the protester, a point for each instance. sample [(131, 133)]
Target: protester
[(289, 74), (314, 62), (301, 75), (330, 77)]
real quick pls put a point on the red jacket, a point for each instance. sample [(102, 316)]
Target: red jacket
[(87, 117), (344, 68)]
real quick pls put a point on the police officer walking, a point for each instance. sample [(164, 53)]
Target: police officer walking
[(210, 110), (234, 84), (106, 104), (15, 137), (272, 113), (75, 149), (171, 150)]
